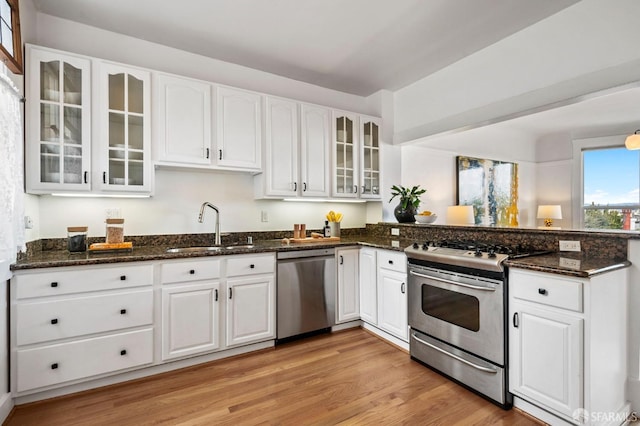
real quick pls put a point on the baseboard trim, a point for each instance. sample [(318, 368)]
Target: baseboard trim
[(6, 405), (386, 337)]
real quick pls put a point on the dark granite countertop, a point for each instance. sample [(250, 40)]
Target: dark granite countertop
[(58, 258), (571, 264)]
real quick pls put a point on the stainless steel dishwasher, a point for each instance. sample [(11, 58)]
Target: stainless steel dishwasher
[(306, 288)]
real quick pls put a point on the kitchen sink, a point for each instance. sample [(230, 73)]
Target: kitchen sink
[(194, 249), (240, 246)]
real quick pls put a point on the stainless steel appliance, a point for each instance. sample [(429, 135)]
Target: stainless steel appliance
[(457, 312), (306, 291)]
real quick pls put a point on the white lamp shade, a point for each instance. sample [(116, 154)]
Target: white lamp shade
[(633, 141), (549, 212), (460, 215)]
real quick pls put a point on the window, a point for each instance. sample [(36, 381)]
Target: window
[(611, 182), (10, 43)]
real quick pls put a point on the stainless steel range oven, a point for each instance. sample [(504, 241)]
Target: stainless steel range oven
[(457, 313)]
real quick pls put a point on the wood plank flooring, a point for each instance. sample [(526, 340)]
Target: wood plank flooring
[(349, 378)]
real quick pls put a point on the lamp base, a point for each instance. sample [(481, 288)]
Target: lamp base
[(549, 227)]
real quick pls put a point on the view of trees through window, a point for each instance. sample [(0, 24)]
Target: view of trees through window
[(611, 183)]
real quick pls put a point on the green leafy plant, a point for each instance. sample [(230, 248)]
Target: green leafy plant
[(408, 197)]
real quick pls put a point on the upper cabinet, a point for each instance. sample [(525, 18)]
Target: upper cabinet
[(239, 129), (182, 124), (125, 106), (356, 156), (296, 149), (65, 153), (58, 133)]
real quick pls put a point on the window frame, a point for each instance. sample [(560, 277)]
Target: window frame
[(579, 146), (14, 62)]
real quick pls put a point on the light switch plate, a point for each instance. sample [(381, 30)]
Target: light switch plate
[(395, 231), (569, 245), (395, 243)]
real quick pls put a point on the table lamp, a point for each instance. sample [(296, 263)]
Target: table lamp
[(548, 213)]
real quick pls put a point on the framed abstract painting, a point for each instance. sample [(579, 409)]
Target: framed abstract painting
[(491, 187)]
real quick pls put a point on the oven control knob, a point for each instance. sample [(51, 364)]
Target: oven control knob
[(425, 246), (492, 253), (478, 253), (415, 246)]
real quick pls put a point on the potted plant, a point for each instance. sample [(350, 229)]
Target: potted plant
[(409, 201)]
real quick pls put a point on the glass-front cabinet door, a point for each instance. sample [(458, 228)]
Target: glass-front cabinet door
[(345, 165), (58, 146), (370, 157), (125, 111)]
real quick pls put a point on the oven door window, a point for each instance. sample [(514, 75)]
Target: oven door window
[(450, 306)]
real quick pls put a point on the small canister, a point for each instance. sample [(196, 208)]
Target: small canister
[(77, 239), (115, 231)]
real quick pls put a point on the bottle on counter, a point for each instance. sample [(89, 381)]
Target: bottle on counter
[(327, 229), (115, 231)]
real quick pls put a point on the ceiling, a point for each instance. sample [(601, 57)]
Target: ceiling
[(354, 46)]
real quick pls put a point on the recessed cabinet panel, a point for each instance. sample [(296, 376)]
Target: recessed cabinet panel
[(315, 140), (58, 132), (281, 144)]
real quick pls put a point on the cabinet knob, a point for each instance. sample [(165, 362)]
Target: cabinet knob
[(54, 321), (542, 291), (123, 311), (123, 277), (252, 266), (123, 352), (391, 262), (54, 284), (192, 271), (54, 366)]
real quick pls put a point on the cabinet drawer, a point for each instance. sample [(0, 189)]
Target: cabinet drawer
[(59, 281), (61, 363), (61, 319), (394, 261), (191, 270), (250, 265), (545, 289)]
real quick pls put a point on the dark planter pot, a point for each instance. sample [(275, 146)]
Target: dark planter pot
[(404, 216)]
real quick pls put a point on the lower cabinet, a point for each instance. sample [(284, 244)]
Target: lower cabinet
[(348, 300), (250, 309), (568, 345), (368, 286), (392, 303), (190, 319)]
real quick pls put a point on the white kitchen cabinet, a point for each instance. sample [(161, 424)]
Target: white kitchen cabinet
[(58, 130), (190, 319), (251, 300), (369, 171), (238, 129), (348, 300), (72, 324), (182, 128), (393, 316), (125, 118), (281, 147), (368, 286), (568, 343), (345, 152), (315, 155)]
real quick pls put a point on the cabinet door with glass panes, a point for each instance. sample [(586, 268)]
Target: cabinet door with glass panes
[(369, 157), (125, 116), (58, 133), (345, 151)]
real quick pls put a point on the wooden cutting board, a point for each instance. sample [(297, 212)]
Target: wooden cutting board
[(314, 240), (127, 245)]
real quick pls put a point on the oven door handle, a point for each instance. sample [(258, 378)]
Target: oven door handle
[(464, 361), (475, 287)]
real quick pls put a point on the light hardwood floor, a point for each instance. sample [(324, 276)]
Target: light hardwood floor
[(350, 377)]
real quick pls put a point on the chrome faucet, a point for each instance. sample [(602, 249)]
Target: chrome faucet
[(201, 219)]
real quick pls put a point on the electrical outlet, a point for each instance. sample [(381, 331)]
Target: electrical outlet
[(395, 231), (264, 216), (28, 222), (569, 245), (569, 263), (395, 244)]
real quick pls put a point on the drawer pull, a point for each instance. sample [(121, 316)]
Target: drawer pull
[(54, 284), (123, 311), (252, 266), (516, 320), (216, 291), (123, 352), (123, 277), (542, 291), (230, 293), (54, 321), (54, 366), (402, 288), (192, 271), (391, 262)]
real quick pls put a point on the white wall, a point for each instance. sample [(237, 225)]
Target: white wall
[(589, 46)]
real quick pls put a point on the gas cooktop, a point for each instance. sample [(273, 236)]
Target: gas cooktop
[(468, 254)]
